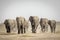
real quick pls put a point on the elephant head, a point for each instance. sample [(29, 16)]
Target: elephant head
[(34, 23), (52, 24), (44, 24), (10, 24), (22, 24)]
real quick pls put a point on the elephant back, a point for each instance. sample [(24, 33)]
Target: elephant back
[(26, 23), (10, 23), (20, 20), (34, 19), (52, 22), (44, 21)]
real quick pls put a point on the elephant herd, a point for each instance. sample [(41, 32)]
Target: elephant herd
[(22, 24)]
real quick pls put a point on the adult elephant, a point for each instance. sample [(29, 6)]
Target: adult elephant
[(22, 24), (52, 24), (44, 24), (34, 23), (10, 24)]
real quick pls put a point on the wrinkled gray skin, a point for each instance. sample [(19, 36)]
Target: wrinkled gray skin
[(44, 24), (52, 24), (10, 24), (22, 25), (34, 23)]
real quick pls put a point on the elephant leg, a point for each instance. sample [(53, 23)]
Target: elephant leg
[(21, 29), (18, 31), (36, 28), (33, 29), (24, 30), (43, 29), (51, 29), (54, 29), (46, 28), (8, 29)]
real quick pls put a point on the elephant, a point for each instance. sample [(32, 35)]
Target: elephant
[(44, 24), (52, 24), (34, 23), (10, 24), (26, 25), (22, 24)]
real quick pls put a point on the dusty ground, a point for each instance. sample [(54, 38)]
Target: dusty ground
[(30, 36)]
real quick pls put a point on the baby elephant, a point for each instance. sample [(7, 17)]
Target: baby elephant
[(52, 24), (44, 24), (10, 24), (22, 24)]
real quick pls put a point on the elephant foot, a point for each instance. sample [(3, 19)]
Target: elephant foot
[(24, 30), (18, 32), (33, 31), (8, 31), (51, 31), (46, 30), (43, 30), (21, 32)]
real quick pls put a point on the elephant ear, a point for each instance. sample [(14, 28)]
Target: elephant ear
[(31, 18), (6, 22), (17, 18), (49, 22), (40, 20)]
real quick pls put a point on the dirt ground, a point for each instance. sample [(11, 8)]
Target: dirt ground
[(30, 36)]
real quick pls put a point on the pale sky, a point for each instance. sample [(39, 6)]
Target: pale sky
[(10, 9)]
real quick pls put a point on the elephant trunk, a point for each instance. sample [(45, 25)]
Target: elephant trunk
[(33, 29)]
